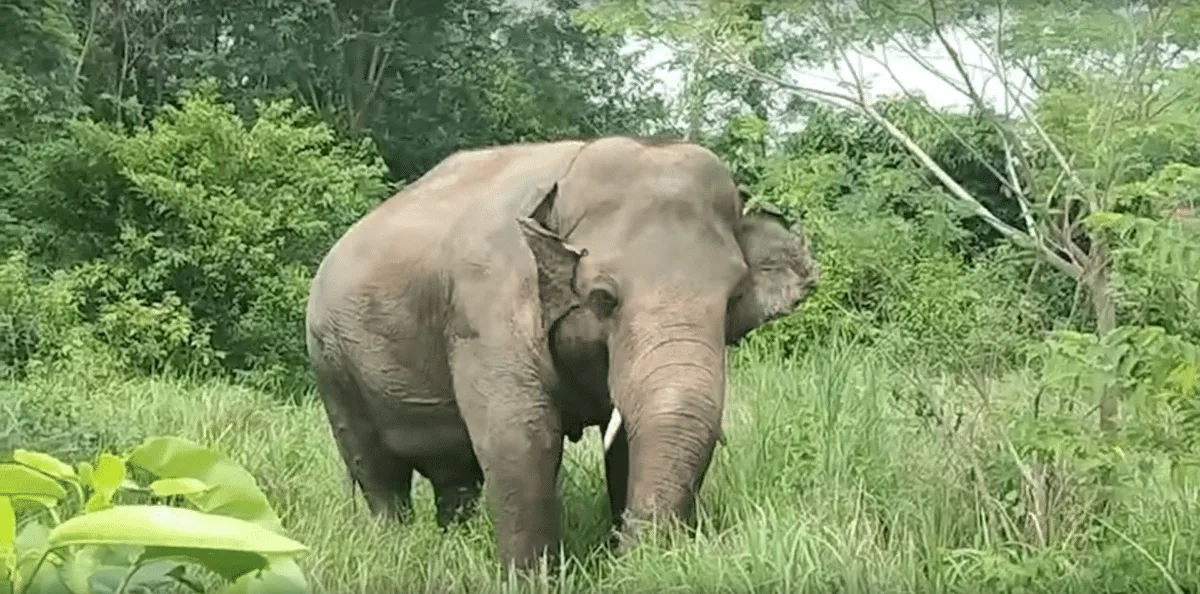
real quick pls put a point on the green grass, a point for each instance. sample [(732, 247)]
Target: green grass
[(827, 484)]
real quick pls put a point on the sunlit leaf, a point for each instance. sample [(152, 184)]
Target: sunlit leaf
[(8, 524), (8, 537), (281, 576), (106, 480), (17, 479), (232, 490), (164, 526), (177, 486), (45, 463)]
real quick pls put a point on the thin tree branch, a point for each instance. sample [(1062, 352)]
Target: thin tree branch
[(861, 103)]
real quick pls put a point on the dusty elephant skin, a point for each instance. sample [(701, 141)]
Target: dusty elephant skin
[(513, 296)]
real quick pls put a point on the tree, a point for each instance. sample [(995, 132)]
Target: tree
[(1064, 163), (422, 79)]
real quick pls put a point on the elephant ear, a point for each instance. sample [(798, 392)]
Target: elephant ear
[(556, 260), (783, 269)]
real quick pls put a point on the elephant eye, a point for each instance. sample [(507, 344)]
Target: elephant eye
[(602, 299)]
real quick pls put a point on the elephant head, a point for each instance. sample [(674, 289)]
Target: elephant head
[(651, 245)]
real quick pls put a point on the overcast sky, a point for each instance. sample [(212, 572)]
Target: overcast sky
[(915, 76)]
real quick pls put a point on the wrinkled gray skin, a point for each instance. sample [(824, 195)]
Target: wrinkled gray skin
[(514, 295)]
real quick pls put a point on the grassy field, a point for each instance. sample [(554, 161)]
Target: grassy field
[(828, 484)]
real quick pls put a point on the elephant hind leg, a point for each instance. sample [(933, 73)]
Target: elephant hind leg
[(457, 482), (385, 479)]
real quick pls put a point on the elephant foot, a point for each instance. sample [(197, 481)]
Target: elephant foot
[(633, 531), (390, 507), (455, 506), (457, 483)]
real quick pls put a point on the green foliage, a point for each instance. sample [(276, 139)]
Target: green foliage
[(828, 482), (163, 203), (67, 528), (893, 272), (36, 319), (37, 98), (421, 80), (205, 232)]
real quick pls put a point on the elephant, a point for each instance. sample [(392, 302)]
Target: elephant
[(517, 294)]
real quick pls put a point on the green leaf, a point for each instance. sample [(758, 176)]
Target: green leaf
[(179, 574), (165, 526), (48, 581), (109, 473), (281, 576), (233, 491), (43, 501), (8, 539), (178, 486), (33, 536), (106, 479), (45, 463), (96, 502), (1103, 219), (8, 525), (150, 577), (17, 479), (30, 545), (225, 563), (80, 567), (86, 470)]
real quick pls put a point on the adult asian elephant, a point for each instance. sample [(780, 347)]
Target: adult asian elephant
[(516, 294)]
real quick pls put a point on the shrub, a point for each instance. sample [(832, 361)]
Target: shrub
[(203, 232), (68, 528), (891, 272)]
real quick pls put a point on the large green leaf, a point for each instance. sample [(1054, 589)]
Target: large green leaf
[(164, 526), (17, 479), (8, 537), (30, 546), (281, 576), (8, 524), (32, 537), (177, 486), (225, 563), (233, 491), (45, 463), (156, 576)]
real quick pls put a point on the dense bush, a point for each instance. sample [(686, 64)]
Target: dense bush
[(187, 245), (894, 270), (1005, 401)]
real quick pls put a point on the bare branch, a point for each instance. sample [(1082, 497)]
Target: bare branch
[(941, 121), (93, 14), (956, 190), (954, 57)]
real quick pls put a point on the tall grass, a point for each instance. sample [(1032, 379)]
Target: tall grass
[(827, 484)]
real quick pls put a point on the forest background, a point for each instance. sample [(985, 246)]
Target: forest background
[(995, 387)]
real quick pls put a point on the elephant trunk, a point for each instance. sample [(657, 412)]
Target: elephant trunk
[(668, 378)]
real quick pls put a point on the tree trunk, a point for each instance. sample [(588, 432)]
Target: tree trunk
[(1104, 308)]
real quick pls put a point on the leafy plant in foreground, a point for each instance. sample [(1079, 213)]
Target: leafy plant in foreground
[(94, 529)]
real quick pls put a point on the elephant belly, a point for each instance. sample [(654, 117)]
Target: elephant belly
[(420, 433)]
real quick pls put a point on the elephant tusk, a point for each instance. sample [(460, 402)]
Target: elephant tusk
[(614, 423), (610, 432)]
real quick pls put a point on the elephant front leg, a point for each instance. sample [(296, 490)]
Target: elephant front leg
[(516, 434), (616, 473)]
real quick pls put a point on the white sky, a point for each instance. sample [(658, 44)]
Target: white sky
[(917, 77)]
